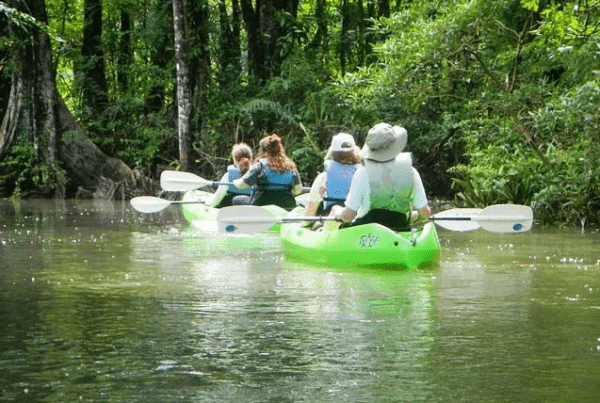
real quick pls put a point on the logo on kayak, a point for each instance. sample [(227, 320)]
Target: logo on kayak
[(368, 241)]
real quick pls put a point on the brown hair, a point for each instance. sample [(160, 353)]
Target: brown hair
[(345, 157), (242, 156), (272, 149)]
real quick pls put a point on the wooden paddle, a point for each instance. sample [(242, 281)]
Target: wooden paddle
[(508, 218)]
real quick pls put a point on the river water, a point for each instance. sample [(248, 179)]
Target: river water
[(99, 303)]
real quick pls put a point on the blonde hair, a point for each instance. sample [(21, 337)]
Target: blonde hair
[(242, 156), (272, 150)]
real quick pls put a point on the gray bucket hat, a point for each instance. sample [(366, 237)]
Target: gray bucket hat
[(384, 142)]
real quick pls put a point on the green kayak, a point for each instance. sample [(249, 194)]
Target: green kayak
[(204, 217), (362, 245)]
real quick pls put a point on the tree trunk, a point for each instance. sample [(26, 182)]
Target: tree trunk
[(183, 88), (37, 113), (256, 50), (264, 33), (4, 74), (229, 46), (162, 18), (125, 51), (344, 42), (321, 39), (93, 75)]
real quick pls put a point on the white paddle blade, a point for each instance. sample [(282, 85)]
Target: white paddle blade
[(149, 204), (458, 219), (245, 219), (177, 181), (510, 218)]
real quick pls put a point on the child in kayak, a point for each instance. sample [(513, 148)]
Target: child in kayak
[(386, 188), (275, 178), (331, 186), (241, 154)]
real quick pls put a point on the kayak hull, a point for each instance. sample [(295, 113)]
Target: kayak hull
[(363, 245), (204, 217)]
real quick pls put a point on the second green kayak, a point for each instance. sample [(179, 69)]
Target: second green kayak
[(204, 217)]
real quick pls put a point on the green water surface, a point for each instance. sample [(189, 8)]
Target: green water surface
[(99, 303)]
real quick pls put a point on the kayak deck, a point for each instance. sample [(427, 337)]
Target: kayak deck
[(363, 245)]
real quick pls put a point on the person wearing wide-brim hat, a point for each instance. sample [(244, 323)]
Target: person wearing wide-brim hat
[(387, 187), (331, 186)]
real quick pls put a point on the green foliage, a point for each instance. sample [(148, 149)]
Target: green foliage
[(23, 167), (500, 98), (128, 133), (21, 20), (550, 162)]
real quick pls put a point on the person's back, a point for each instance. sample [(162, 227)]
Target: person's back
[(331, 186), (391, 186), (274, 176), (338, 178), (387, 187), (241, 155)]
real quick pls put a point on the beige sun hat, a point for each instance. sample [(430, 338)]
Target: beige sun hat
[(384, 142)]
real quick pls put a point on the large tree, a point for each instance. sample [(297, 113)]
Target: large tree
[(36, 117), (184, 106)]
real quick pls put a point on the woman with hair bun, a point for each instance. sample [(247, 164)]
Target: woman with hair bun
[(274, 176), (241, 154), (331, 186)]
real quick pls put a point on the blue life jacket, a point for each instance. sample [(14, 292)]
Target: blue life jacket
[(339, 178), (276, 180), (235, 173)]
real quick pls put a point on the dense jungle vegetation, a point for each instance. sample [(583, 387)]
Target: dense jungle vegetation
[(500, 98)]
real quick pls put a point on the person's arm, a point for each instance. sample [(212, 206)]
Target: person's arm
[(346, 215), (315, 196), (249, 178), (240, 184), (297, 188), (420, 201), (218, 196)]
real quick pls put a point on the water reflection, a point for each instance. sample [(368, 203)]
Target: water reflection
[(252, 320)]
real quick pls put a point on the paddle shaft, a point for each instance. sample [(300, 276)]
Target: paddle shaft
[(304, 189), (451, 218), (479, 218), (274, 220)]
